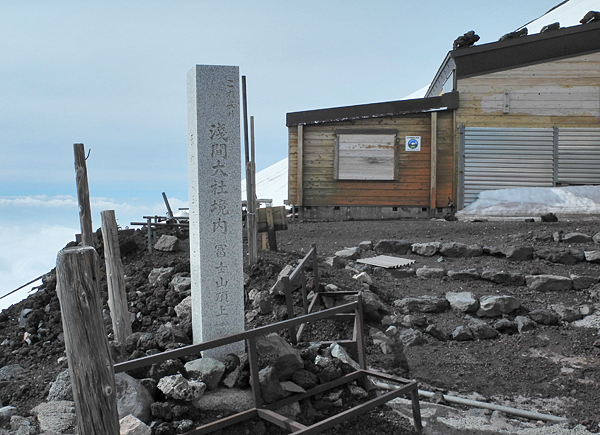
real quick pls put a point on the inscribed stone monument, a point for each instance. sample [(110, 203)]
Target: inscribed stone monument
[(216, 258)]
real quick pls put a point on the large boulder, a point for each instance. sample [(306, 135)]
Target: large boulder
[(278, 287), (462, 333), (493, 306), (374, 308), (482, 330), (130, 425), (262, 302), (506, 326), (463, 301), (423, 304), (56, 417), (455, 250), (181, 283), (338, 351), (284, 359), (412, 337), (524, 324), (388, 246), (270, 386), (133, 398), (518, 253), (431, 272), (167, 243), (502, 277), (581, 282), (426, 249), (592, 256), (61, 388), (548, 282), (227, 401), (562, 256), (347, 254), (436, 333), (208, 370), (544, 317), (184, 308), (161, 276), (576, 238), (6, 412), (9, 371), (179, 388), (567, 314), (464, 275), (168, 334)]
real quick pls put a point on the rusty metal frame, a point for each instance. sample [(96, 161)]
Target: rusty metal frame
[(299, 273), (266, 412)]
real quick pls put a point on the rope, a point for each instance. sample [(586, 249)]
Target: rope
[(24, 285)]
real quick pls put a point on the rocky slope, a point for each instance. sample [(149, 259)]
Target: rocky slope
[(510, 319)]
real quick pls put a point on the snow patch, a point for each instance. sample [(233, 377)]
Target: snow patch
[(535, 201)]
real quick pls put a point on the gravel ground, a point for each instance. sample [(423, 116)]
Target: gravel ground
[(535, 371)]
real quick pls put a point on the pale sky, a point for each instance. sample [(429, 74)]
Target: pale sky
[(111, 74)]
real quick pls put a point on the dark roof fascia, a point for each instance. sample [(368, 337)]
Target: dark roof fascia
[(447, 101), (527, 50)]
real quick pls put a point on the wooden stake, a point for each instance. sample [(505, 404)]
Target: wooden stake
[(315, 266), (300, 185), (117, 297), (169, 211), (90, 364), (433, 166), (83, 195), (251, 202), (271, 229)]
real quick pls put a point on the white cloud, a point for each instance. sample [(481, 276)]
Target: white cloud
[(36, 227), (28, 252), (38, 201)]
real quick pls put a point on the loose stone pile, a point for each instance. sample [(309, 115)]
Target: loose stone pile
[(168, 398), (487, 316)]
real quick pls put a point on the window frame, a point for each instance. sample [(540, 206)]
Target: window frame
[(364, 131)]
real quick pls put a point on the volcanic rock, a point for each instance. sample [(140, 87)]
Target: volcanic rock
[(548, 282), (463, 301), (400, 247), (426, 249), (576, 238), (519, 253), (423, 304), (492, 306)]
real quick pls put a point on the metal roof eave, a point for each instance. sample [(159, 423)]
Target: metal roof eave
[(447, 101)]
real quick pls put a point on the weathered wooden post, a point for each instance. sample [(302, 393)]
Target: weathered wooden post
[(251, 202), (315, 266), (90, 364), (117, 297), (83, 195), (271, 229)]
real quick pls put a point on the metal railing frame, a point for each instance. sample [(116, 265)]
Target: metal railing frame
[(265, 411)]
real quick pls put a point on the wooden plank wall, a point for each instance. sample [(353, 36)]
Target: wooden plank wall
[(564, 93), (446, 155), (410, 189)]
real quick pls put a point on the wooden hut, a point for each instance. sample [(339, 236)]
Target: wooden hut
[(519, 112)]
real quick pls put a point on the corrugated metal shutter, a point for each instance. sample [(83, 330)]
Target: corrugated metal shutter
[(578, 156), (499, 158)]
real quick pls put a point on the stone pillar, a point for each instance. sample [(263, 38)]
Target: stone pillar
[(214, 157)]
